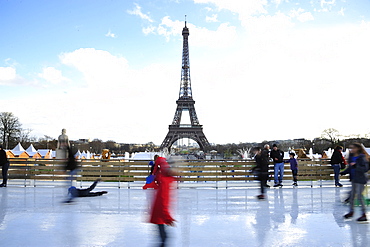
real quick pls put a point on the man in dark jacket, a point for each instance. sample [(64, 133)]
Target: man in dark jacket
[(4, 163), (278, 157)]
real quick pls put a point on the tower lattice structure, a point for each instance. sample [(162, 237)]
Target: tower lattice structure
[(185, 102)]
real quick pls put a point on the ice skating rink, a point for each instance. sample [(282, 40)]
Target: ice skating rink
[(35, 216)]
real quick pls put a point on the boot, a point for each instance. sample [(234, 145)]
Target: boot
[(362, 219), (2, 185), (349, 215), (261, 197)]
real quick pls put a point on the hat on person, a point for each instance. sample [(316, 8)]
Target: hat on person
[(274, 145), (292, 154)]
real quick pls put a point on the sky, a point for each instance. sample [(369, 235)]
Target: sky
[(260, 69)]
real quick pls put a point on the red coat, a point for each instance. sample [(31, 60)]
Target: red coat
[(160, 209)]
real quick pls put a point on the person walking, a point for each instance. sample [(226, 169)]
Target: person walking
[(160, 214), (4, 163), (338, 162), (261, 170), (359, 166), (278, 157)]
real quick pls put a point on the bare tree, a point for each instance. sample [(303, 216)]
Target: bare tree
[(331, 135), (10, 128)]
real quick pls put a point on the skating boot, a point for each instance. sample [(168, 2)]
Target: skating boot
[(348, 216), (362, 219)]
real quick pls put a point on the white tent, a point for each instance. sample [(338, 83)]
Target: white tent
[(78, 154), (19, 151), (31, 150), (46, 153)]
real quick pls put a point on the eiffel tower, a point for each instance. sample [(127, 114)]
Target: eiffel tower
[(185, 102)]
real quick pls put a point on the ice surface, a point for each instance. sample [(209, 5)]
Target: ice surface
[(206, 217)]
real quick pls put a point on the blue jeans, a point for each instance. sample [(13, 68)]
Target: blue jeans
[(336, 168), (278, 173)]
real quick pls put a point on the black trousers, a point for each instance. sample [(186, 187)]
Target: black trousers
[(87, 192), (263, 179), (4, 170), (295, 174), (162, 234)]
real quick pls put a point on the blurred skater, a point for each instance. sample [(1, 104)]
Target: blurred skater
[(86, 192), (338, 162), (71, 165), (278, 157), (71, 169), (150, 181), (358, 163), (4, 163), (266, 155), (160, 214), (294, 167), (261, 170)]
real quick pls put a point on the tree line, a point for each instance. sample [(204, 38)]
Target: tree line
[(12, 133)]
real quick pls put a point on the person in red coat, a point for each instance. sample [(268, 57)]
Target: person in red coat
[(160, 214)]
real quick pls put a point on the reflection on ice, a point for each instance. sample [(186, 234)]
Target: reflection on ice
[(232, 217)]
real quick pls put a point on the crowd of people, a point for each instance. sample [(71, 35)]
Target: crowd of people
[(356, 166)]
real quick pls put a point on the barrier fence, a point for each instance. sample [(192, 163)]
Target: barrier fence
[(189, 171)]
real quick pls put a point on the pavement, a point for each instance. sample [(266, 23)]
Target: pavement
[(305, 216)]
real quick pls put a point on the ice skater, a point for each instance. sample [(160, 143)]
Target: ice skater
[(338, 162), (261, 170), (359, 166), (160, 214), (4, 163), (74, 192), (278, 157), (294, 167)]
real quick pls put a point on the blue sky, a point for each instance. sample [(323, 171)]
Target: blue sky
[(111, 69)]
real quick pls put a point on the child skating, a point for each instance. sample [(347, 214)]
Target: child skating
[(294, 167)]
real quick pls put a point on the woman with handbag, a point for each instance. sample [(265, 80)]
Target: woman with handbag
[(338, 162)]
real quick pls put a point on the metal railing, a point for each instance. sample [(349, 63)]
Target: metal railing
[(127, 171)]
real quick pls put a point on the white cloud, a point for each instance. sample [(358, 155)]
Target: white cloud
[(137, 11), (52, 75), (244, 9), (110, 34), (341, 11), (7, 73), (114, 103), (306, 16), (301, 15), (9, 77), (148, 30), (97, 66), (326, 5), (224, 36), (212, 18)]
